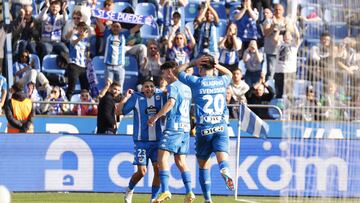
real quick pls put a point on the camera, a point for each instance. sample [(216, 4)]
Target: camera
[(206, 43)]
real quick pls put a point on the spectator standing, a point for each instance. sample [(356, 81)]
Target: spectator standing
[(257, 95), (78, 55), (101, 26), (19, 111), (252, 59), (115, 56), (229, 47), (205, 34), (153, 62), (135, 46), (321, 56), (27, 34), (106, 120), (286, 63), (52, 25), (70, 27), (179, 50), (245, 20)]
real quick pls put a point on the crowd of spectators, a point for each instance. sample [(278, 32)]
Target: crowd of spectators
[(260, 44)]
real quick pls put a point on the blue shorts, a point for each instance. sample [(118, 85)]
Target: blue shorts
[(211, 138), (143, 151), (175, 142)]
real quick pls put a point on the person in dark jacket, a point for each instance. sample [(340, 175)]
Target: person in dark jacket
[(258, 95), (19, 111), (106, 118)]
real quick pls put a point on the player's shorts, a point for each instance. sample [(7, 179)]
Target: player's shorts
[(211, 138), (143, 151), (175, 142)]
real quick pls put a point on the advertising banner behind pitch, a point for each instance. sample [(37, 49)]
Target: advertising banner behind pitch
[(104, 164)]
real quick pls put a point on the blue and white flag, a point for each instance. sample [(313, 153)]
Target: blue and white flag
[(251, 123), (123, 17)]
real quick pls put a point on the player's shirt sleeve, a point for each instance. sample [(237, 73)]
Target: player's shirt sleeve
[(188, 80), (130, 104), (172, 92), (226, 79)]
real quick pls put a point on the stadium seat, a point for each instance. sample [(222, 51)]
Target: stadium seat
[(274, 113), (50, 65), (37, 61), (220, 10), (312, 32), (131, 72), (338, 30), (311, 11), (120, 6), (191, 11), (149, 32), (146, 9)]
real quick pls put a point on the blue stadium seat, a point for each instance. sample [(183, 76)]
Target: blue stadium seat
[(37, 61), (220, 10), (149, 32), (274, 113), (120, 6), (50, 66), (338, 30), (146, 9), (191, 11), (131, 72), (312, 32)]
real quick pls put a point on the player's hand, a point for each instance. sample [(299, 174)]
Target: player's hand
[(129, 92), (152, 120), (201, 61)]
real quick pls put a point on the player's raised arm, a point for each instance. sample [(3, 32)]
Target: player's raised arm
[(163, 111), (195, 62), (223, 70)]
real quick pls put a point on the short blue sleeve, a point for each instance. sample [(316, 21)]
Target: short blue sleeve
[(130, 104), (172, 91)]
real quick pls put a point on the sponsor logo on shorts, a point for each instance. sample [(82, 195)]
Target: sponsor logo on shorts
[(212, 130)]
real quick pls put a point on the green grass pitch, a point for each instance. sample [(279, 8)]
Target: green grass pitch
[(144, 198)]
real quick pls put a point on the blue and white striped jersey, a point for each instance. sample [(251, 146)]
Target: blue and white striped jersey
[(209, 95), (143, 109), (115, 50), (77, 52), (178, 118)]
